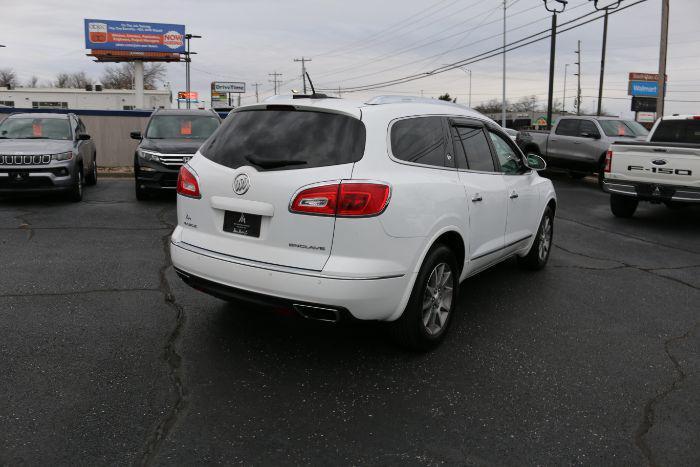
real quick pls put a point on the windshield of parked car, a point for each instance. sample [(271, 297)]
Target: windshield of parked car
[(677, 131), (282, 139), (623, 128), (182, 126), (35, 128)]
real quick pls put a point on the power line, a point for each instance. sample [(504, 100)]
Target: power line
[(487, 54)]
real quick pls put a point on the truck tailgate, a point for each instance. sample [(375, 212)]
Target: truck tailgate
[(655, 164)]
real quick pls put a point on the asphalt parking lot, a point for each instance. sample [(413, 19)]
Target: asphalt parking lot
[(106, 357)]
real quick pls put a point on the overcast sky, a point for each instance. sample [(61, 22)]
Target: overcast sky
[(368, 41)]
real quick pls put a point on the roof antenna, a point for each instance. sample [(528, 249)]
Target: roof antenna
[(313, 91)]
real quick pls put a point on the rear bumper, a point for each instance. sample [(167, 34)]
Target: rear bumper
[(235, 279), (652, 192)]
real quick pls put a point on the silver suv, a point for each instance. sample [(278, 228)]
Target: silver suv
[(46, 152)]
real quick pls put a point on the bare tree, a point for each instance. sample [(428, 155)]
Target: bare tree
[(76, 79), (8, 78), (33, 82), (122, 76), (490, 107)]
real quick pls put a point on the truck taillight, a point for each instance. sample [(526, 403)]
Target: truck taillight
[(608, 161), (187, 184), (344, 199)]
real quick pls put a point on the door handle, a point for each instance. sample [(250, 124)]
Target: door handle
[(477, 197), (513, 194)]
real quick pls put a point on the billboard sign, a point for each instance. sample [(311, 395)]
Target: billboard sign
[(134, 36), (226, 87), (184, 95), (644, 88), (643, 104), (644, 76), (646, 117)]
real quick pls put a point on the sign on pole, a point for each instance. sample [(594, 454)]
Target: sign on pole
[(643, 104), (225, 87), (134, 36)]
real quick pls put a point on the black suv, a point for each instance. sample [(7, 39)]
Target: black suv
[(171, 138)]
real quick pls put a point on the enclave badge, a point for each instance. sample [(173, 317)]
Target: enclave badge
[(241, 184)]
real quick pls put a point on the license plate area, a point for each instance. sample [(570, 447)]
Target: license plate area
[(241, 223)]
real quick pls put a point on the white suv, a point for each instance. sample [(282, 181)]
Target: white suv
[(375, 210)]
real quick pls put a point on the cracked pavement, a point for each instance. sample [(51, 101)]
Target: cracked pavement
[(106, 357)]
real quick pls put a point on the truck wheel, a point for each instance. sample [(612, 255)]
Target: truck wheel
[(91, 178), (428, 314), (623, 206), (76, 191), (538, 255)]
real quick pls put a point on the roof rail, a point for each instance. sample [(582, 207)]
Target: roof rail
[(379, 100)]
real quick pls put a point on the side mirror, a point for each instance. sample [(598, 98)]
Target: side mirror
[(83, 137), (535, 162), (136, 135)]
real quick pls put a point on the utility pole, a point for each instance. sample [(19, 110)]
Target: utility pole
[(188, 59), (552, 55), (339, 94), (257, 98), (578, 87), (607, 8), (303, 61), (563, 99), (274, 79), (503, 104), (663, 46), (466, 70)]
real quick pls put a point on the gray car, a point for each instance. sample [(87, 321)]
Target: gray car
[(579, 143), (46, 152)]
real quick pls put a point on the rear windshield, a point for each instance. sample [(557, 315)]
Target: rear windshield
[(283, 139), (623, 128), (35, 128), (677, 131), (182, 126)]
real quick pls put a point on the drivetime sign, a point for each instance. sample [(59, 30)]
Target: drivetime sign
[(225, 87), (133, 36)]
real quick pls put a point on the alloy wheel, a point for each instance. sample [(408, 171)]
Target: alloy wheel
[(545, 238), (437, 299)]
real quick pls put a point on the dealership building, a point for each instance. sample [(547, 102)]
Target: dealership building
[(91, 98)]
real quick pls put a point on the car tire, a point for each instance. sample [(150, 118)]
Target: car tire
[(623, 206), (141, 193), (76, 192), (91, 178), (537, 257), (428, 314)]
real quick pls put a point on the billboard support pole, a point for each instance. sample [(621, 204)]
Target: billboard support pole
[(661, 85), (138, 85)]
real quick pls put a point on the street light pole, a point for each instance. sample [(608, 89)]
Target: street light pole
[(552, 54), (503, 103), (563, 99), (661, 85), (188, 59), (606, 8), (466, 70)]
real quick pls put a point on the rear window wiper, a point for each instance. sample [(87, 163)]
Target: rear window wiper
[(272, 163)]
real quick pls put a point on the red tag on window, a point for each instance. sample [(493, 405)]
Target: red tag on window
[(186, 128), (621, 131), (36, 130)]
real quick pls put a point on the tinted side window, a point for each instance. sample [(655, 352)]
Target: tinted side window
[(589, 128), (419, 140), (677, 131), (568, 127), (507, 156), (471, 144)]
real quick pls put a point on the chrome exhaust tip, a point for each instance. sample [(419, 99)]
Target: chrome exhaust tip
[(317, 313)]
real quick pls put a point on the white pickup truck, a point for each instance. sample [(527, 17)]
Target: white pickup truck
[(665, 169)]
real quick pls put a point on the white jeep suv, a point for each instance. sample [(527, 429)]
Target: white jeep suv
[(374, 210)]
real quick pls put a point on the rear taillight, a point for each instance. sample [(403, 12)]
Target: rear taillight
[(344, 199), (608, 161), (187, 184)]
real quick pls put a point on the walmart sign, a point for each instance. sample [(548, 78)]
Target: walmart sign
[(644, 88)]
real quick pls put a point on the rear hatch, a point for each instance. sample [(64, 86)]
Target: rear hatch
[(251, 169)]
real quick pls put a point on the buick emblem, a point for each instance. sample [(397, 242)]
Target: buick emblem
[(659, 162), (241, 184)]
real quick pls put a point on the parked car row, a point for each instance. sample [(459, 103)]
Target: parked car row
[(52, 152)]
